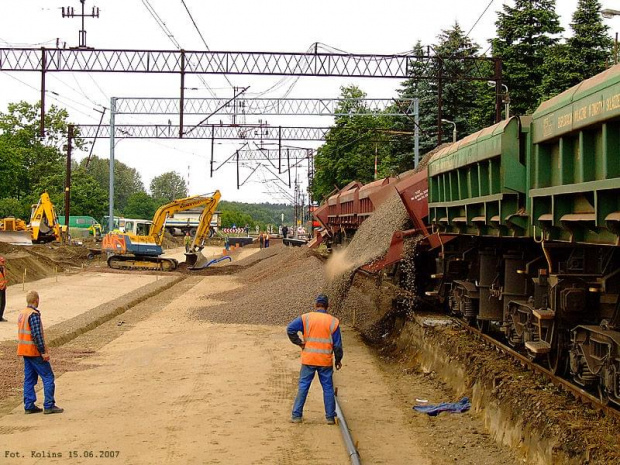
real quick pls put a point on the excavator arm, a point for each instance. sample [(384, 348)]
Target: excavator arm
[(44, 221), (156, 232), (204, 224)]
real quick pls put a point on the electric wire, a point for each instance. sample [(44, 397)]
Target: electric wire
[(161, 23), (201, 36), (53, 95), (479, 18)]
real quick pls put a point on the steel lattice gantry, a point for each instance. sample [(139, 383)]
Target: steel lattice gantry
[(184, 62), (277, 158), (259, 106), (224, 132), (206, 62)]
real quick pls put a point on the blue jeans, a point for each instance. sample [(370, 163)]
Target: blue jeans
[(33, 368), (306, 375)]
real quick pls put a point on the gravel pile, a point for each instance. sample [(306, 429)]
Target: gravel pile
[(370, 243), (278, 288)]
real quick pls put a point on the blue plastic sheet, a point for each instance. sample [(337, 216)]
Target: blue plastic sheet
[(461, 406)]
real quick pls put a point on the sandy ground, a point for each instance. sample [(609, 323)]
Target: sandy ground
[(171, 390), (66, 296)]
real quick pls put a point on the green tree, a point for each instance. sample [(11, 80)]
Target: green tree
[(421, 87), (30, 164), (585, 54), (168, 186), (127, 180), (87, 197), (458, 94), (13, 207), (351, 145), (140, 205), (526, 34)]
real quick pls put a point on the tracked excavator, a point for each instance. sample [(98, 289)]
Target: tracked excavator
[(133, 252)]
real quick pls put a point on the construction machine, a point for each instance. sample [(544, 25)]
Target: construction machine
[(143, 252), (14, 231), (44, 226), (194, 258)]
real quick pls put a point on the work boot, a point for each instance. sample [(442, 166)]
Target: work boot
[(54, 409), (295, 419), (3, 320), (34, 409), (331, 421)]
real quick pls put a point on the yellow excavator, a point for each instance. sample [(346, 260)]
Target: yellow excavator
[(44, 226), (133, 252)]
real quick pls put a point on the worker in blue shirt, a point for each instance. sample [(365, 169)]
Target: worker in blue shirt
[(321, 343)]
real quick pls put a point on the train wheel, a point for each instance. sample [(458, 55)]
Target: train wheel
[(603, 395), (557, 362), (483, 325)]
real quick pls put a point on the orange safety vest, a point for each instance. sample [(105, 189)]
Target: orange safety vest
[(4, 281), (25, 343), (319, 345)]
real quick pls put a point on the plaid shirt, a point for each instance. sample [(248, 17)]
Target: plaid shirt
[(36, 328)]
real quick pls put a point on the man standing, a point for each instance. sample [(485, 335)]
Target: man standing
[(4, 281), (321, 338), (188, 242), (31, 346)]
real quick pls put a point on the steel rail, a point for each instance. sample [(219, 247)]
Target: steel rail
[(557, 381)]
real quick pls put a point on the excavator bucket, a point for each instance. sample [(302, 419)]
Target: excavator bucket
[(16, 237), (195, 260)]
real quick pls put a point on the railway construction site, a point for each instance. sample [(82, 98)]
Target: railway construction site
[(196, 367)]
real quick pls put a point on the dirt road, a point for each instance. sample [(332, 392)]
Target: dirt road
[(172, 389)]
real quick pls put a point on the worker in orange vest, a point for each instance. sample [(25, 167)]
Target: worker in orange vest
[(4, 281), (31, 346), (321, 343)]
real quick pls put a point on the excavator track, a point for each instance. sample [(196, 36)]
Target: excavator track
[(124, 262)]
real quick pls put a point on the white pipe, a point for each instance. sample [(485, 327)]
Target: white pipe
[(346, 435)]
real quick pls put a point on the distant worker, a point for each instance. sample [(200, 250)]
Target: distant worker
[(266, 239), (31, 346), (284, 231), (322, 337), (4, 282), (188, 242), (261, 240)]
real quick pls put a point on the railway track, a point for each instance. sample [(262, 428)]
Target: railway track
[(581, 394)]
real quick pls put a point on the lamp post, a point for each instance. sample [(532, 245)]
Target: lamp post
[(609, 13), (506, 98), (453, 129)]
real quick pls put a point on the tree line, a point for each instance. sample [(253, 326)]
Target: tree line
[(30, 165), (538, 63)]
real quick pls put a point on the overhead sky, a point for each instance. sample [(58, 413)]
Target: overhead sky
[(356, 26)]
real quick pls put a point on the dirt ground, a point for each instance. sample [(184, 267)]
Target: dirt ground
[(157, 385)]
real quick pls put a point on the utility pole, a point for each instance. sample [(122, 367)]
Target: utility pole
[(69, 12), (70, 135)]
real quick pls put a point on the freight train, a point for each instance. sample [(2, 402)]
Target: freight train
[(521, 227)]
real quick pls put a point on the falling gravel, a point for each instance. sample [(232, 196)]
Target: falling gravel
[(370, 243)]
